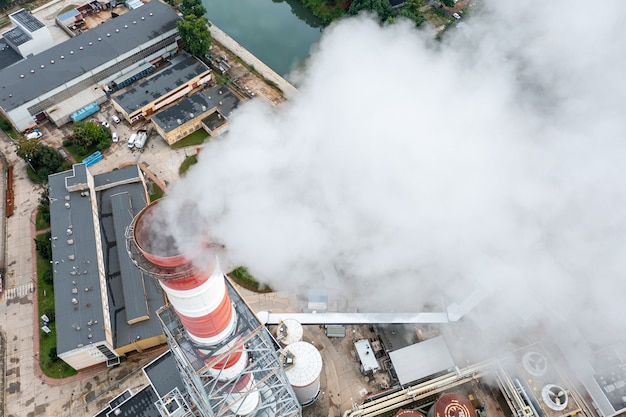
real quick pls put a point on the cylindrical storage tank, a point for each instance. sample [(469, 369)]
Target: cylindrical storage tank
[(304, 373), (452, 405), (408, 413), (289, 331)]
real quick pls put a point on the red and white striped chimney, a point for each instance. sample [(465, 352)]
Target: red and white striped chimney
[(201, 301)]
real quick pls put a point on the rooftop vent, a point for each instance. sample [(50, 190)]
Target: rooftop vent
[(70, 241), (62, 57), (535, 363), (81, 48), (150, 13), (203, 108), (554, 397), (117, 30), (143, 18), (52, 61), (74, 290), (67, 198), (32, 71), (90, 43), (21, 75), (71, 52), (191, 115), (99, 39), (179, 121), (125, 26), (69, 231), (75, 301), (108, 35), (67, 205), (134, 22), (71, 257), (43, 66)]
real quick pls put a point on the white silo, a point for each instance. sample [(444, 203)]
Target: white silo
[(303, 366), (289, 331)]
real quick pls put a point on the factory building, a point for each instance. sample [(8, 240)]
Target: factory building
[(209, 110), (28, 36), (104, 305), (69, 76), (184, 75), (226, 358)]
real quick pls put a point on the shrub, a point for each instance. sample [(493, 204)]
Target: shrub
[(48, 278), (68, 142)]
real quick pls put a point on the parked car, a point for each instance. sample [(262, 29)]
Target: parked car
[(35, 134), (456, 15), (114, 137), (106, 124), (115, 119)]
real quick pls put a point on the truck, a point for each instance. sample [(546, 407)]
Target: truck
[(85, 112), (142, 136)]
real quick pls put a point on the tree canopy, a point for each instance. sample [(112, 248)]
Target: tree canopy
[(194, 33), (42, 159), (89, 134), (192, 7), (448, 3), (380, 7)]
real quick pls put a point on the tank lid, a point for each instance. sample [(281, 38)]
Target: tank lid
[(307, 364)]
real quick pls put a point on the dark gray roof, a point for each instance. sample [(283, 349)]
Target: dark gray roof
[(225, 100), (183, 69), (183, 111), (16, 36), (158, 18), (8, 55), (131, 295), (164, 374), (27, 20), (125, 285), (72, 230), (139, 405)]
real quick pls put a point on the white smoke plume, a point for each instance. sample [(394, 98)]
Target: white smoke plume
[(421, 170)]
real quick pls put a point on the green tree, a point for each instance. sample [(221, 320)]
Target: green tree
[(27, 148), (192, 7), (44, 246), (381, 7), (195, 35), (48, 158), (411, 10), (448, 3), (89, 134)]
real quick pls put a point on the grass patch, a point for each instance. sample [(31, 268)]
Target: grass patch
[(40, 223), (77, 157), (157, 192), (67, 9), (242, 277), (187, 163), (32, 175), (196, 138), (54, 368)]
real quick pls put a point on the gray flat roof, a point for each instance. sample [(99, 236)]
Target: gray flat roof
[(421, 360), (223, 98), (75, 264), (26, 19), (125, 33), (16, 36), (183, 68), (129, 293), (8, 55), (139, 405), (183, 111), (164, 374), (121, 196)]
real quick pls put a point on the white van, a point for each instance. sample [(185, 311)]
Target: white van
[(131, 140)]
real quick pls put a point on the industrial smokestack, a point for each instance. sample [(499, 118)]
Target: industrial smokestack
[(200, 299)]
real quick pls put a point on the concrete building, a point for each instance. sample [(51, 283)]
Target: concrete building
[(28, 36), (163, 88), (61, 80), (104, 306), (209, 109)]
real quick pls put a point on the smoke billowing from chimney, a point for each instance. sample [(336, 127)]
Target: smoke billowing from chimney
[(422, 170)]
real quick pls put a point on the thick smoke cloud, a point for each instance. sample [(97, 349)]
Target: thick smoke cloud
[(422, 170)]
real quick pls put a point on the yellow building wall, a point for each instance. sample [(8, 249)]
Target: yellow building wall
[(184, 129), (141, 344)]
